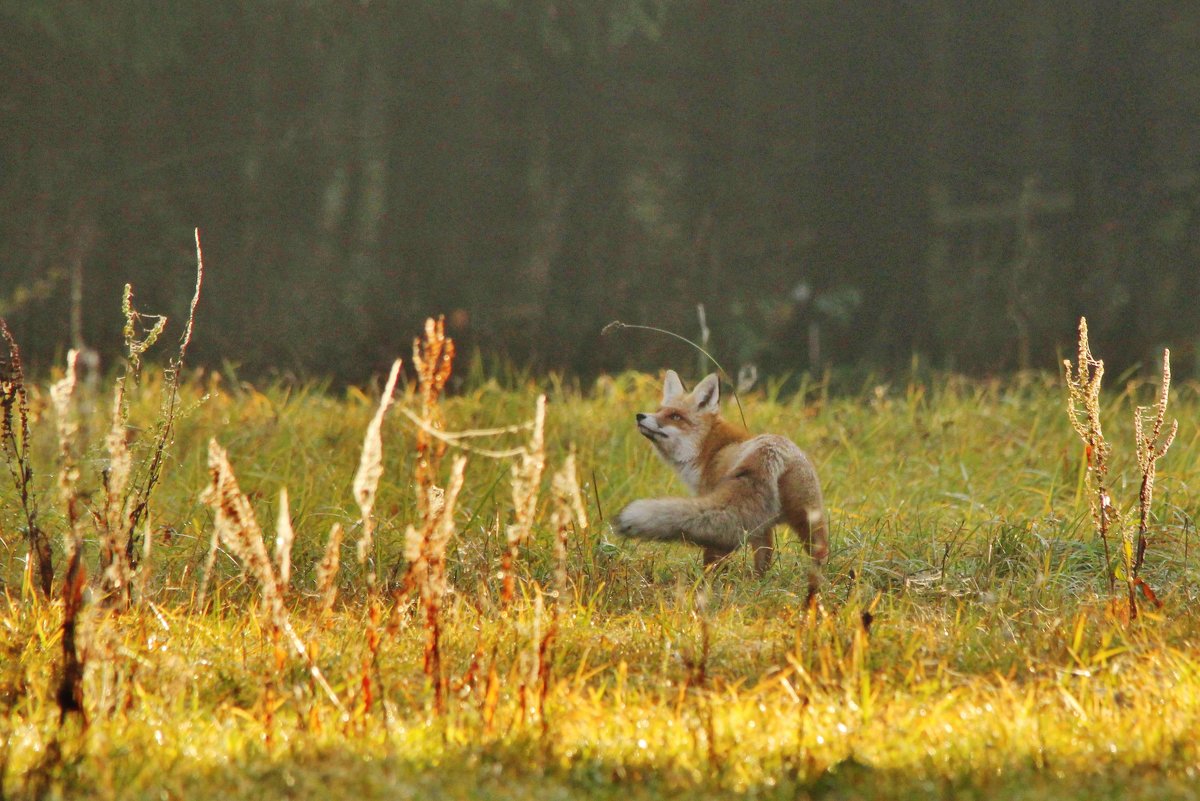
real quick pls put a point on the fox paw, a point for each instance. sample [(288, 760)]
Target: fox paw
[(632, 519)]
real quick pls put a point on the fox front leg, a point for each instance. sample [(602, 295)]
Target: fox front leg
[(654, 518)]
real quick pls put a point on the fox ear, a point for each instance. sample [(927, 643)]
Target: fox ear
[(672, 387), (708, 394)]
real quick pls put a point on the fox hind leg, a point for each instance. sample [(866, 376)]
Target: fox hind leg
[(762, 546), (715, 558)]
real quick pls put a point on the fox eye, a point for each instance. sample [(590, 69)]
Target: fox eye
[(676, 417)]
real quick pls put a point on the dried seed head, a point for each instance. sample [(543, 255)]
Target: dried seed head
[(370, 469), (285, 535)]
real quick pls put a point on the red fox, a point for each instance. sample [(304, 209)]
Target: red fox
[(743, 485)]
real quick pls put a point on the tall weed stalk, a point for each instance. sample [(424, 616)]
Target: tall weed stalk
[(14, 439)]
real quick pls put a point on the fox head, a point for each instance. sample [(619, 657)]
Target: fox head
[(678, 428)]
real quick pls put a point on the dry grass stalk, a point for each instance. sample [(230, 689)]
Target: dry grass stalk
[(141, 489), (370, 469), (238, 529), (425, 550), (327, 570), (526, 485), (455, 438), (114, 562), (70, 688), (14, 439), (568, 511), (146, 563), (61, 396), (1083, 409), (210, 561), (433, 359), (1150, 448), (285, 535), (136, 348)]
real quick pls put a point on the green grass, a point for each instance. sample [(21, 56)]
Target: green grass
[(996, 665)]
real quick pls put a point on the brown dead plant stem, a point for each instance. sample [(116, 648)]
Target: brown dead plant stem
[(425, 550), (1151, 446), (433, 358), (1083, 409), (14, 439), (1083, 406), (141, 486), (70, 687)]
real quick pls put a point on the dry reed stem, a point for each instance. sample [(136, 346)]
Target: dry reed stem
[(70, 688), (114, 561), (139, 501), (526, 484), (370, 469), (568, 510), (1150, 448), (366, 484), (1083, 410), (210, 561), (433, 359), (238, 529), (285, 535), (15, 442), (327, 570), (426, 554), (61, 396), (453, 438), (146, 563)]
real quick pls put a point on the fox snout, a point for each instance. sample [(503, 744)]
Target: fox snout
[(648, 427)]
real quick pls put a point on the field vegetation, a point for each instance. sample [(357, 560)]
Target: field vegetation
[(416, 593)]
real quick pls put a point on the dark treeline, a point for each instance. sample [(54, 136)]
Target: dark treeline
[(839, 183)]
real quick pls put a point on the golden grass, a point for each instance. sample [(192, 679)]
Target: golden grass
[(967, 642)]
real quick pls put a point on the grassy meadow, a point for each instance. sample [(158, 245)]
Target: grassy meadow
[(966, 642)]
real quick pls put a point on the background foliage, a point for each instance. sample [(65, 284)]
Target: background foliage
[(839, 183)]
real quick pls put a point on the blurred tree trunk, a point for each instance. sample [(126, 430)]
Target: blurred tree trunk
[(373, 151), (550, 193), (258, 101)]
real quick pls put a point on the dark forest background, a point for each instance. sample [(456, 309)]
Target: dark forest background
[(840, 184)]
